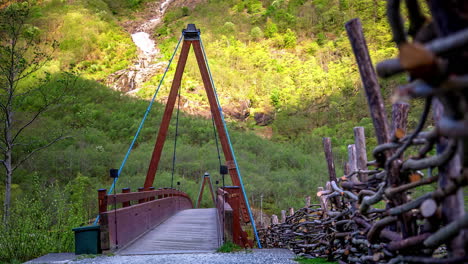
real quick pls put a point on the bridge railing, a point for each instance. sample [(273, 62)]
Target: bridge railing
[(229, 213), (135, 213)]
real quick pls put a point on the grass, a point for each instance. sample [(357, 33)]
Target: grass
[(303, 260), (229, 247)]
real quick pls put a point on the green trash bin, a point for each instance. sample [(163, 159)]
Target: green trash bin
[(87, 240)]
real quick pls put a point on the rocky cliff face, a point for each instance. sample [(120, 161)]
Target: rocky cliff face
[(147, 65)]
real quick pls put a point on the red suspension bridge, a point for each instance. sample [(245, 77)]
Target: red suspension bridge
[(163, 220)]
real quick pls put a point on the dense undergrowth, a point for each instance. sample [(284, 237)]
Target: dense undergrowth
[(290, 59)]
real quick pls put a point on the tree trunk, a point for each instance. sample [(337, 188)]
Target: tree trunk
[(8, 169)]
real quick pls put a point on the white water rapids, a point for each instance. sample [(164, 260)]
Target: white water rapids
[(129, 80), (143, 41)]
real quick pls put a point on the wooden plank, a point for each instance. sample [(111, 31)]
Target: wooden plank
[(158, 147), (127, 197), (192, 230)]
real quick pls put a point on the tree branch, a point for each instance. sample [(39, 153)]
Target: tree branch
[(39, 149)]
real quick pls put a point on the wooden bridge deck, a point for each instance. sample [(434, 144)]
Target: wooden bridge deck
[(191, 230)]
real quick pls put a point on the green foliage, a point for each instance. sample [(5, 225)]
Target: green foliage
[(185, 11), (270, 29), (303, 260), (302, 71), (229, 28), (89, 40), (41, 223), (290, 39), (229, 247), (256, 33)]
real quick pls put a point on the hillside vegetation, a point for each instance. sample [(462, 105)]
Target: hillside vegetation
[(289, 59)]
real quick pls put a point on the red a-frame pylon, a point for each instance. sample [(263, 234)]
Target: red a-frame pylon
[(192, 38)]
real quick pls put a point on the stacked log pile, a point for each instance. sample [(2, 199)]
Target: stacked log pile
[(375, 212)]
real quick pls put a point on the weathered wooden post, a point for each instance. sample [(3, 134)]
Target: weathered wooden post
[(369, 80), (361, 155), (352, 163), (327, 148), (329, 158), (307, 201), (274, 219), (399, 120), (126, 190), (160, 196), (346, 169), (104, 231), (141, 189), (102, 199), (283, 216), (453, 205), (323, 201), (152, 198), (291, 211)]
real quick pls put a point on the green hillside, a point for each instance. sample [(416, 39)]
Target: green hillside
[(288, 59)]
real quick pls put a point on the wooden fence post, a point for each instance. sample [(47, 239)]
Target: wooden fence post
[(352, 163), (453, 205), (327, 148), (329, 157), (283, 216), (361, 155), (152, 197), (399, 119), (102, 199), (369, 80), (141, 189), (307, 201), (274, 219), (126, 204)]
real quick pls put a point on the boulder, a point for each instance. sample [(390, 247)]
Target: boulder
[(263, 119)]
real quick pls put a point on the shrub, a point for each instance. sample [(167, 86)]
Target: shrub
[(270, 29), (229, 28), (256, 33), (290, 39)]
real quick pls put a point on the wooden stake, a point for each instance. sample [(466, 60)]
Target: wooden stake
[(369, 80), (361, 155), (329, 157), (352, 161), (274, 219), (399, 120)]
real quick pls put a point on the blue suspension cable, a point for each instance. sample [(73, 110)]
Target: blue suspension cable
[(141, 124), (232, 150)]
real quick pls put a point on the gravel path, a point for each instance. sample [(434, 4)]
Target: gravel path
[(258, 256)]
